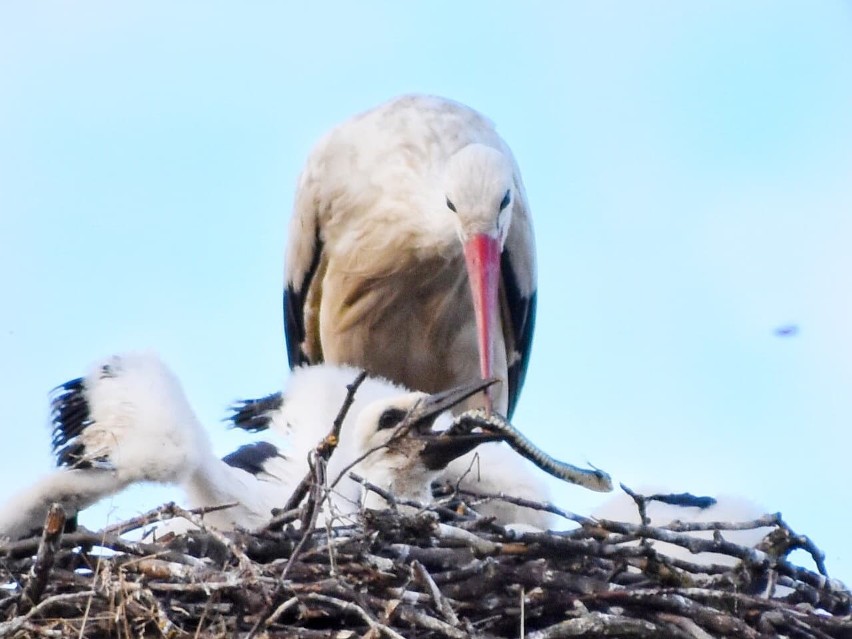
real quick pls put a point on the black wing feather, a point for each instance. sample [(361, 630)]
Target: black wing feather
[(687, 500), (294, 310), (522, 314), (69, 413), (251, 457), (252, 415)]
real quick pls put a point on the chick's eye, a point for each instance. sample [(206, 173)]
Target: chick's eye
[(451, 206), (391, 418), (506, 199)]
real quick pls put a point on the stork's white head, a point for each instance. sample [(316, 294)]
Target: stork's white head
[(479, 187), (405, 451)]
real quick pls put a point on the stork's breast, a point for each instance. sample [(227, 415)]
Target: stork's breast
[(414, 325)]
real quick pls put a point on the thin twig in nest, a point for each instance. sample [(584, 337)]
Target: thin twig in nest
[(54, 524), (327, 445), (398, 575)]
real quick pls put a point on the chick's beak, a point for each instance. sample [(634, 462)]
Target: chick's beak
[(428, 409), (442, 448)]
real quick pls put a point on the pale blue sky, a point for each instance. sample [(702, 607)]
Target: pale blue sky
[(689, 167)]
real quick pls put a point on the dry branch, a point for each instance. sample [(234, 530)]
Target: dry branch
[(433, 574)]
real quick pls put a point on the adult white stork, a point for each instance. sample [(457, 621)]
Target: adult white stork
[(411, 253), (129, 421)]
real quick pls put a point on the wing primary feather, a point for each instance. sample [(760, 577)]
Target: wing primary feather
[(687, 500), (253, 415), (252, 457), (73, 456), (69, 414), (294, 309), (522, 316)]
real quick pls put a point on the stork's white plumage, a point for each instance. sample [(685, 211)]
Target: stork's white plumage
[(129, 421), (407, 467), (492, 468), (722, 508), (411, 252)]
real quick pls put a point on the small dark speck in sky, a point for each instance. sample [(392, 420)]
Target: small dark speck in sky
[(787, 330)]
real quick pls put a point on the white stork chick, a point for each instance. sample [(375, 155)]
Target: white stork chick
[(129, 421), (403, 463), (724, 508), (411, 253), (492, 468), (405, 466)]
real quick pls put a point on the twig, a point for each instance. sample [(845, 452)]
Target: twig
[(312, 510), (518, 501), (393, 500), (805, 543), (244, 562), (162, 513), (600, 624), (327, 445), (282, 517), (85, 537), (641, 505), (395, 574), (765, 521), (441, 602), (693, 544), (280, 610), (350, 607), (51, 537), (415, 617), (13, 625), (480, 545)]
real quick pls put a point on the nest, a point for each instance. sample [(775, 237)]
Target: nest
[(415, 571)]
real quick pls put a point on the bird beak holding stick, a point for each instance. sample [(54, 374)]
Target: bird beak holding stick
[(443, 447)]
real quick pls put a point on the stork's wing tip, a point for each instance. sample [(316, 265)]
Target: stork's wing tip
[(254, 415), (69, 415), (252, 457), (687, 500)]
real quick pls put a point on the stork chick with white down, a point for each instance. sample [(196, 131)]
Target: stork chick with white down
[(129, 421), (663, 508), (491, 469), (410, 251)]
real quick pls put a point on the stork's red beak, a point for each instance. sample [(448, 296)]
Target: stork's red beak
[(482, 255)]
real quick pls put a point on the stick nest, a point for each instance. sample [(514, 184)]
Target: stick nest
[(436, 571)]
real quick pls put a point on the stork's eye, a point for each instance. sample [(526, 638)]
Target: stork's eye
[(451, 206), (391, 418), (505, 202)]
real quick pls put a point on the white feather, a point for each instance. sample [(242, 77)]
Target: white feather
[(141, 427), (728, 508)]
